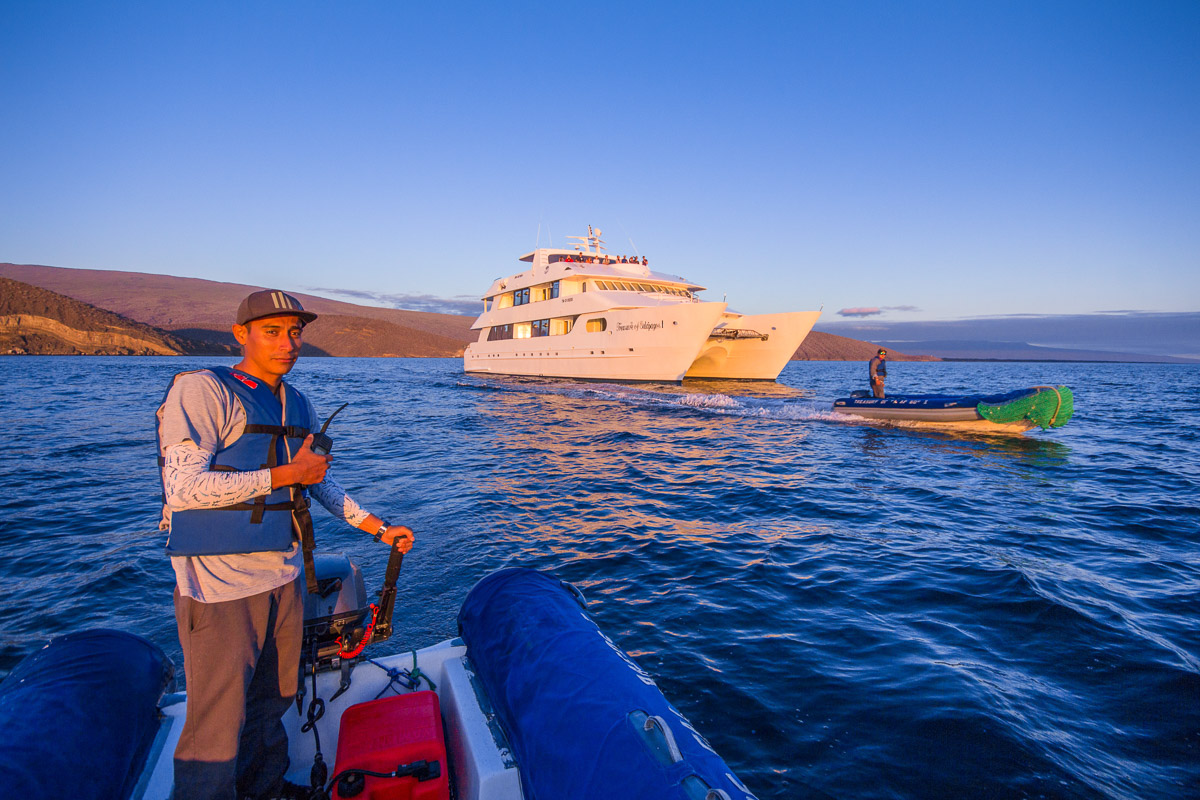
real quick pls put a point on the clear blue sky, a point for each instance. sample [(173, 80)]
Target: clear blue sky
[(931, 160)]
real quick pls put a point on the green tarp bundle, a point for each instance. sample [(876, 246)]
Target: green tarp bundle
[(1050, 407)]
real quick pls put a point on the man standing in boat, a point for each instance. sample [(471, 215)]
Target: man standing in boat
[(235, 447), (877, 370)]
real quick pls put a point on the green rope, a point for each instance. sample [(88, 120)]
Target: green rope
[(409, 679), (417, 675), (1051, 407)]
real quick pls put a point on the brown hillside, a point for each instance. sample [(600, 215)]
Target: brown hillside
[(818, 346), (203, 310), (34, 320)]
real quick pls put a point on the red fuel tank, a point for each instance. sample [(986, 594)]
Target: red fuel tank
[(395, 732)]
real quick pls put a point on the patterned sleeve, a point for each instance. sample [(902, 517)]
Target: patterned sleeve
[(330, 494), (189, 484)]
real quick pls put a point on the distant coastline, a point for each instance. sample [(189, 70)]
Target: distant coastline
[(98, 312), (63, 311)]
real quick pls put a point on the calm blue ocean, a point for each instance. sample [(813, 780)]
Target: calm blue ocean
[(845, 610)]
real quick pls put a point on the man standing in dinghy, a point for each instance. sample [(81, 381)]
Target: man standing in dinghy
[(877, 370), (235, 447)]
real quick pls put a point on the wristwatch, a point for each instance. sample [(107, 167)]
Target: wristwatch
[(382, 530)]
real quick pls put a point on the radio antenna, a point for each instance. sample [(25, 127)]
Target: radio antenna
[(331, 416)]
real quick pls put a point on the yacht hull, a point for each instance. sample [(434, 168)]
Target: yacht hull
[(753, 357), (652, 343)]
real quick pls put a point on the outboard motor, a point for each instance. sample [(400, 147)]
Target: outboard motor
[(339, 623), (339, 612)]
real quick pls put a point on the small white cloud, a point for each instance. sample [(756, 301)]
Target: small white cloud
[(462, 304)]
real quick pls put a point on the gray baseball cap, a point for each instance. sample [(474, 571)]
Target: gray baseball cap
[(272, 303)]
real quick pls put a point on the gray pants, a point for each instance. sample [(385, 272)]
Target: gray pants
[(241, 661), (877, 388)]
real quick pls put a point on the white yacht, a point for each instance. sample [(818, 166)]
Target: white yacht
[(582, 313)]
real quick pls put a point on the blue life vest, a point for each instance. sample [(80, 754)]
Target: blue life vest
[(273, 429)]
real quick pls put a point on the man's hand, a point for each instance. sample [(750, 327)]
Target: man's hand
[(305, 468), (400, 536)]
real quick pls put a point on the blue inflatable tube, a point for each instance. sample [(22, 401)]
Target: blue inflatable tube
[(77, 717), (584, 721), (931, 401)]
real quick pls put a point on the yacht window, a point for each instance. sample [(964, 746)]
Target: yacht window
[(541, 327), (522, 330), (554, 290), (559, 327), (596, 325), (520, 297), (504, 300), (499, 332)]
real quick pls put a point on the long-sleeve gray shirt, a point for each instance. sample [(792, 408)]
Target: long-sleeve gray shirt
[(199, 417)]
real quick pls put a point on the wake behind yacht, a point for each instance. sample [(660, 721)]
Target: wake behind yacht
[(582, 313)]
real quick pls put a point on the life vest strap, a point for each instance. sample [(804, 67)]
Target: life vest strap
[(255, 506), (307, 544), (290, 431)]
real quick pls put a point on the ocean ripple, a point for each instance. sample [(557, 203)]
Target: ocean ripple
[(845, 609)]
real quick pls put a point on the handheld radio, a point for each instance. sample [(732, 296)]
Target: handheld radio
[(322, 444)]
